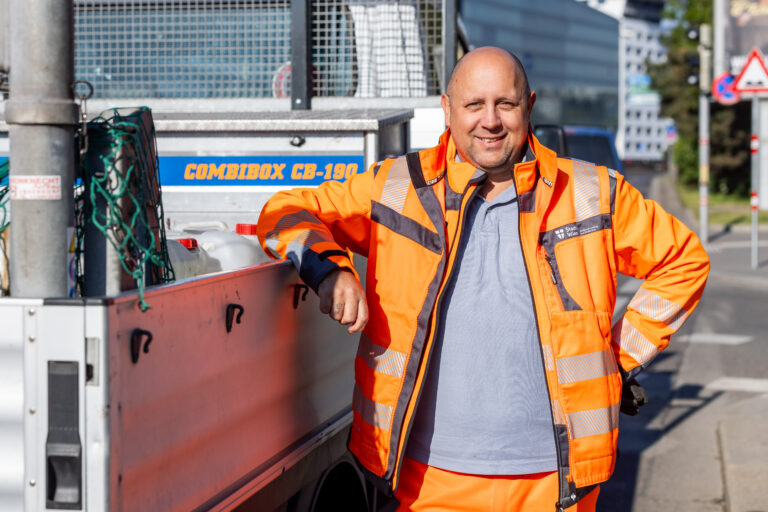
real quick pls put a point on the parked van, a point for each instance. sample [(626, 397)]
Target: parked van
[(591, 144)]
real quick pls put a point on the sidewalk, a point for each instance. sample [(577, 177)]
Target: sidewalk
[(743, 440), (741, 432), (729, 249)]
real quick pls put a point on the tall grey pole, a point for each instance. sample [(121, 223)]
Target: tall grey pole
[(41, 115), (754, 146), (703, 167), (719, 64), (705, 87)]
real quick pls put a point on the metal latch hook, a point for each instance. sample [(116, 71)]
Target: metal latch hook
[(136, 338), (298, 295), (231, 308)]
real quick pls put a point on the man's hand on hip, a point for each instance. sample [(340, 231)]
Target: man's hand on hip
[(343, 299)]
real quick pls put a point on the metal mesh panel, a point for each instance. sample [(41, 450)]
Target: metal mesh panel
[(241, 48), (374, 48), (181, 49)]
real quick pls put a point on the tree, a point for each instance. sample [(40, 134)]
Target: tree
[(729, 159), (679, 100)]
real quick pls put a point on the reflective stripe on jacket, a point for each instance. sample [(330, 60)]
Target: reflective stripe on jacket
[(580, 224)]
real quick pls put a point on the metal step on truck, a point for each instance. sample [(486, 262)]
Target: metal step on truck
[(152, 358)]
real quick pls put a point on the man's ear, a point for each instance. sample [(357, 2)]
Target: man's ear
[(531, 101), (445, 102)]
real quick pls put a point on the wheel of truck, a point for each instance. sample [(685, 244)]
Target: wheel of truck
[(341, 487)]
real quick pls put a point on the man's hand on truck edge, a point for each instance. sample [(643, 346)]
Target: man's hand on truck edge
[(343, 299)]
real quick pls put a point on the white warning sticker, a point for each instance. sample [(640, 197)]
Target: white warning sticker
[(43, 187)]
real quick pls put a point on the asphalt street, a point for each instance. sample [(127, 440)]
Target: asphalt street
[(683, 452)]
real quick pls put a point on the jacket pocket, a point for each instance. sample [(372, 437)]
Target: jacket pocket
[(586, 271), (587, 374)]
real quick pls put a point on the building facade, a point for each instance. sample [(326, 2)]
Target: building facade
[(642, 135), (569, 50)]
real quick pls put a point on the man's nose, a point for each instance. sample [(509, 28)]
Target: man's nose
[(491, 119)]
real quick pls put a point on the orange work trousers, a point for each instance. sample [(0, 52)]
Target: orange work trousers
[(429, 489)]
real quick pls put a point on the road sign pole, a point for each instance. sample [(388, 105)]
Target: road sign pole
[(754, 147), (762, 133), (753, 79)]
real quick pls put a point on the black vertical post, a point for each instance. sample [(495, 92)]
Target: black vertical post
[(450, 38), (301, 55)]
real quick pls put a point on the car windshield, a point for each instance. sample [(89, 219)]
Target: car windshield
[(549, 136), (591, 148)]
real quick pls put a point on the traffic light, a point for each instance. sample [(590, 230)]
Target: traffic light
[(701, 64), (693, 62)]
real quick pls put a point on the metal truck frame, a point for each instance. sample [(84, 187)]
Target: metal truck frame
[(232, 392)]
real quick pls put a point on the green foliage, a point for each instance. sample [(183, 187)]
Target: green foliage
[(724, 209), (686, 157), (679, 99), (729, 149), (729, 160)]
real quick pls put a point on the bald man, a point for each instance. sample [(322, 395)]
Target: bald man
[(488, 376)]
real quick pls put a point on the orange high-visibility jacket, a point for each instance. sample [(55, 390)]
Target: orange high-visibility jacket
[(580, 224)]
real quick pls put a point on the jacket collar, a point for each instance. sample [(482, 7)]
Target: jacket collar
[(459, 173), (546, 158)]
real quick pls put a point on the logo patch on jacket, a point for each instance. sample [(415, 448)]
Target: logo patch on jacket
[(571, 230)]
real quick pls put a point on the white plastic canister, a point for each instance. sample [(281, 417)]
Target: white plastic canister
[(188, 259), (231, 250)]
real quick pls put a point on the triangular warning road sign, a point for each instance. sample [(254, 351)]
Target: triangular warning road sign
[(754, 74)]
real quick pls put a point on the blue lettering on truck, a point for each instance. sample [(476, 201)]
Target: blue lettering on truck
[(258, 170)]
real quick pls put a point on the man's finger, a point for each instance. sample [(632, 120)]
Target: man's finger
[(325, 303), (350, 311), (327, 291), (362, 317), (337, 310)]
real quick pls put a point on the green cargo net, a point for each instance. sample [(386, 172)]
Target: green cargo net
[(120, 195)]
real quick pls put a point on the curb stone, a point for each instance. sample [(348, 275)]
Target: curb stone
[(744, 450)]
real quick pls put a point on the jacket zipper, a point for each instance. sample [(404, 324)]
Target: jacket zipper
[(548, 258), (559, 455), (438, 308)]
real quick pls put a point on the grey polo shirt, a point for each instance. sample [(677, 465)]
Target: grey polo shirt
[(485, 407)]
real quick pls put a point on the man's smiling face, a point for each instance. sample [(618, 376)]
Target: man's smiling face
[(488, 111)]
